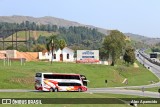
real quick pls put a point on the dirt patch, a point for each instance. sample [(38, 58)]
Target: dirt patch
[(135, 65), (29, 56), (117, 77), (2, 56)]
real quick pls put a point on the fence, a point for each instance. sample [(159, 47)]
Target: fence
[(9, 61)]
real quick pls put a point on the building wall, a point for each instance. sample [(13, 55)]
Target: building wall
[(3, 54), (14, 54), (58, 52)]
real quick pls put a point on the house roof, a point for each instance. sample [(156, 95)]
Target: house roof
[(68, 49)]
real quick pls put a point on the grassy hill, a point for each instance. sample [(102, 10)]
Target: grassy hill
[(33, 34), (143, 39), (22, 77)]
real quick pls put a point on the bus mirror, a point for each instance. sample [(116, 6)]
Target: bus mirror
[(86, 80), (106, 81), (83, 77)]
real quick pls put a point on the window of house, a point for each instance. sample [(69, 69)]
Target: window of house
[(54, 56), (67, 56)]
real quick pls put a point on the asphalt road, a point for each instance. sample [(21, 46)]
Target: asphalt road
[(155, 69), (124, 91), (101, 90), (119, 90)]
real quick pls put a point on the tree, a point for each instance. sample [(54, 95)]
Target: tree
[(27, 24), (156, 48), (23, 48), (62, 45), (41, 39), (33, 26), (52, 44), (103, 54), (129, 55), (9, 48), (54, 28), (86, 43), (114, 43), (49, 28), (39, 48)]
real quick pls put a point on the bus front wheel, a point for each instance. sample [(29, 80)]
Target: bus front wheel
[(51, 90), (79, 90), (56, 90)]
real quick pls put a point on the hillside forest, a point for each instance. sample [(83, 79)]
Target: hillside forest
[(80, 37), (76, 37)]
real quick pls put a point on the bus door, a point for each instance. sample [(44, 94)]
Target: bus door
[(84, 80)]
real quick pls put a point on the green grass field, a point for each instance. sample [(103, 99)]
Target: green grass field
[(21, 34), (22, 77)]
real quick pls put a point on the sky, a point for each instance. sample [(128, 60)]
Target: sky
[(129, 16)]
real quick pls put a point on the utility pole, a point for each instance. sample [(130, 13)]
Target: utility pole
[(3, 41), (12, 39), (26, 37), (16, 39), (52, 45), (29, 40)]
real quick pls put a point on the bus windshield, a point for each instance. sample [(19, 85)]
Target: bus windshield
[(54, 76)]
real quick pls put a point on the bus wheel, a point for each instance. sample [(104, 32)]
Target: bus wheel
[(79, 90), (56, 90), (51, 89)]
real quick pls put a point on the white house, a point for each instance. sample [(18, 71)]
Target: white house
[(66, 55)]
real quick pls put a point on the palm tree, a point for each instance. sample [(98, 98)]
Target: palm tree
[(62, 45), (52, 44)]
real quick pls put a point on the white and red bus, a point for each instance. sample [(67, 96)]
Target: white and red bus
[(54, 82)]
